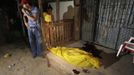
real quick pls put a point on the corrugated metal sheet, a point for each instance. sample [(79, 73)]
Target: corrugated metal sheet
[(115, 22), (88, 9)]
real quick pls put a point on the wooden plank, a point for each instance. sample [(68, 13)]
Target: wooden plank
[(77, 23), (42, 24), (48, 36), (58, 10), (57, 34), (61, 65), (63, 33), (67, 32), (69, 36), (51, 36), (65, 38), (60, 33), (54, 35)]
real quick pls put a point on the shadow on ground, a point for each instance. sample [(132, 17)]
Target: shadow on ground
[(107, 59)]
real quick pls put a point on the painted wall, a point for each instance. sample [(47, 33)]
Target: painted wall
[(66, 9)]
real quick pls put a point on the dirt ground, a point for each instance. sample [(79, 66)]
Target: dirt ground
[(20, 62)]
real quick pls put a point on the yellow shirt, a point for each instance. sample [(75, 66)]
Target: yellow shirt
[(47, 17)]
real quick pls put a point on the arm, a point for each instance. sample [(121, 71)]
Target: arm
[(33, 17), (24, 19)]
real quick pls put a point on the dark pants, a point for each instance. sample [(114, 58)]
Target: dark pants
[(35, 41)]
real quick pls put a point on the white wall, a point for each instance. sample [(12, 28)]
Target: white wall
[(63, 8)]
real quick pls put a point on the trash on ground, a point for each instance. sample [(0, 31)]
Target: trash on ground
[(75, 71), (7, 55), (11, 66)]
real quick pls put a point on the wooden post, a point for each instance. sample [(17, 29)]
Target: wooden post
[(77, 21), (42, 24), (58, 10)]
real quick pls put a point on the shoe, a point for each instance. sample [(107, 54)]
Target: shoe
[(34, 56), (42, 56)]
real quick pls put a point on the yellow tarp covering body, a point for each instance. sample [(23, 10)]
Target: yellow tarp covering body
[(76, 57)]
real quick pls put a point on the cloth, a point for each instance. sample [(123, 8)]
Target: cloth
[(34, 34), (35, 41), (32, 23), (76, 57)]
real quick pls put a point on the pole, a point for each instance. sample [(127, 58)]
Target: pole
[(40, 3), (58, 10)]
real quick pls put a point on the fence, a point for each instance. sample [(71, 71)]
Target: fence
[(58, 33)]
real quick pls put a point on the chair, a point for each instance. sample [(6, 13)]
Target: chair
[(127, 46)]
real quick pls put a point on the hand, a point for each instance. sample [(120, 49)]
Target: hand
[(23, 11)]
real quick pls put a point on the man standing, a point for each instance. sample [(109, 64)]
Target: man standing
[(31, 12)]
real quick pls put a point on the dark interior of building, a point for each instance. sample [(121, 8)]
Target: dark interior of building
[(11, 29)]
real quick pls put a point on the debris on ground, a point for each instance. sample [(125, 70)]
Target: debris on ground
[(86, 71), (11, 66), (75, 71), (7, 55)]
